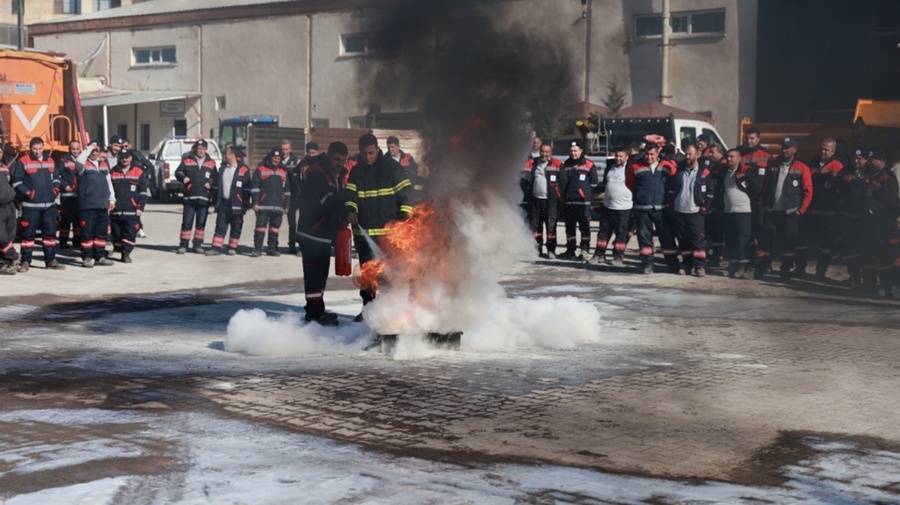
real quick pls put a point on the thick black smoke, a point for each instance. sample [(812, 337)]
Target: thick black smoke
[(474, 73)]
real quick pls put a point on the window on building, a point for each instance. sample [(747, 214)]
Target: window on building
[(180, 127), (358, 44), (319, 122), (122, 130), (154, 56), (15, 6), (67, 6), (220, 102), (682, 23), (102, 5), (144, 137)]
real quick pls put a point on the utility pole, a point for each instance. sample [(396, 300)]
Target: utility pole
[(664, 53), (21, 12), (586, 15)]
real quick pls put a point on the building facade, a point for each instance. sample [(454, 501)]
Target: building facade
[(168, 67)]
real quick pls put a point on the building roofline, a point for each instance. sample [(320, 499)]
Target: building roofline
[(198, 16)]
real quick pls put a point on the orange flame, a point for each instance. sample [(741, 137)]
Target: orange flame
[(413, 249)]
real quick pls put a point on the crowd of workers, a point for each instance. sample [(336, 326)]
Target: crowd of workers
[(730, 209), (101, 191)]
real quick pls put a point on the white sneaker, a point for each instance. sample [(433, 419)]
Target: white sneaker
[(141, 233)]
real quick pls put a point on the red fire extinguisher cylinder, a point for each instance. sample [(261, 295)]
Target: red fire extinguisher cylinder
[(342, 242)]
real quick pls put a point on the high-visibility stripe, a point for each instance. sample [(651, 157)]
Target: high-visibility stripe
[(406, 208), (350, 186), (352, 205), (373, 232), (402, 184)]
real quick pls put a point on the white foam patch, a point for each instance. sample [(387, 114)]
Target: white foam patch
[(98, 492), (256, 333)]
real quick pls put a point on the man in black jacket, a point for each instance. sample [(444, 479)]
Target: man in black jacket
[(8, 254), (320, 216), (379, 175)]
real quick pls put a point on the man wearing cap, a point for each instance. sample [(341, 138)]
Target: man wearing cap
[(409, 166), (130, 185), (231, 203), (581, 178), (37, 184), (376, 193), (149, 173), (270, 195), (115, 145), (291, 163), (881, 212), (819, 226), (199, 176), (786, 194), (648, 178), (68, 198), (96, 198), (852, 219), (320, 218)]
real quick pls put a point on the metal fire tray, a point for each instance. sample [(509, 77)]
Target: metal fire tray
[(448, 341)]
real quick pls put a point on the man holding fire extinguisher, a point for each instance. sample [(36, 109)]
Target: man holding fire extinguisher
[(320, 220)]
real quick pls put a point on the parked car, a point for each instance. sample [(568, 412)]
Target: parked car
[(167, 159)]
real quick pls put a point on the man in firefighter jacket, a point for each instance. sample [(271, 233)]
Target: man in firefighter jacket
[(130, 185), (96, 199), (581, 178), (270, 194), (68, 199), (198, 173), (320, 216), (818, 227), (542, 179), (376, 193), (647, 179), (409, 166), (615, 215), (36, 182), (232, 202), (689, 194), (786, 194), (853, 213), (8, 254), (882, 209)]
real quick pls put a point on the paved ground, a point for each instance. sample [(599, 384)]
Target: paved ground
[(708, 379)]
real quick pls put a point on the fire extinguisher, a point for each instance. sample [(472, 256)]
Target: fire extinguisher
[(342, 264)]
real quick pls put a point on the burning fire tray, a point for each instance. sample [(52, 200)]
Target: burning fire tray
[(440, 340)]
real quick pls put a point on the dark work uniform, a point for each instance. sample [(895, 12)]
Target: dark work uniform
[(780, 221), (690, 227), (757, 160), (231, 205), (295, 168), (198, 194), (715, 219), (68, 202), (37, 183), (648, 189), (882, 208), (543, 212), (93, 207), (8, 254), (271, 192), (853, 218), (130, 186), (581, 178), (819, 226), (387, 181), (320, 210)]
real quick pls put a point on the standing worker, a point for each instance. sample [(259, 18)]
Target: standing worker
[(231, 203), (271, 195), (737, 215), (37, 184), (786, 193), (377, 192), (198, 173), (130, 186), (581, 178), (320, 217), (541, 180), (648, 177), (690, 194), (8, 254), (68, 199), (819, 226), (291, 163), (615, 215), (96, 199), (409, 166)]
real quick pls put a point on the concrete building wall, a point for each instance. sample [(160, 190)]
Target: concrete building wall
[(334, 94), (44, 10)]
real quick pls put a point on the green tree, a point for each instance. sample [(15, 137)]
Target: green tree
[(615, 96)]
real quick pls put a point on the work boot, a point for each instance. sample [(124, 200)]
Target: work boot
[(324, 319), (232, 252), (105, 262), (597, 259), (7, 269), (568, 255), (23, 267), (359, 318), (197, 249), (256, 253), (87, 262), (54, 265), (292, 250), (648, 268), (181, 250), (682, 271), (141, 233), (699, 272), (618, 262), (126, 257), (273, 251), (213, 252)]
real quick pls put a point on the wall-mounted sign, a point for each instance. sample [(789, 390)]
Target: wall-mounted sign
[(172, 108)]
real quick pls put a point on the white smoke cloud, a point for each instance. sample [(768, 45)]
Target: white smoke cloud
[(256, 333)]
